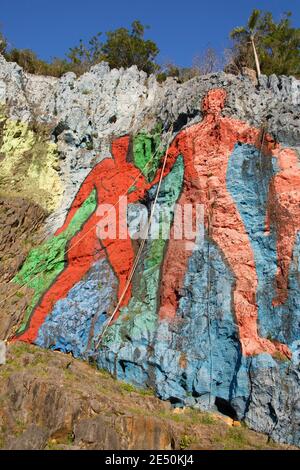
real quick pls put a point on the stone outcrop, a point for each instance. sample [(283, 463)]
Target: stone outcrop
[(51, 401), (217, 328), (20, 222)]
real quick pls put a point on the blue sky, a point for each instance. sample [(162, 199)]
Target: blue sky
[(182, 29)]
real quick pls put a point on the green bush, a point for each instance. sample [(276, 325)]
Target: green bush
[(122, 48)]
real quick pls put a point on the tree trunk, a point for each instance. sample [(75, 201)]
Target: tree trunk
[(255, 56)]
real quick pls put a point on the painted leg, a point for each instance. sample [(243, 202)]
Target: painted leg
[(121, 257), (80, 258), (285, 246), (173, 273), (235, 245), (284, 205), (175, 262)]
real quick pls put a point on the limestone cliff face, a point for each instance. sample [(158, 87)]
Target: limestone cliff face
[(212, 326)]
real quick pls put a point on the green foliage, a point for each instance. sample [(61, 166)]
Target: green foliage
[(205, 418), (277, 43), (236, 438), (83, 56), (126, 387), (185, 441), (25, 58), (122, 48), (20, 349), (252, 22), (29, 61), (125, 48)]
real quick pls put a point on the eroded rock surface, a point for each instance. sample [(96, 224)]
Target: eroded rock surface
[(51, 401), (196, 359)]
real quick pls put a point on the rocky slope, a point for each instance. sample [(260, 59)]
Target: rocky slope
[(217, 328), (51, 401)]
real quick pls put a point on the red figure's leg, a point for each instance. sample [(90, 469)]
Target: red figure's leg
[(229, 234), (172, 277), (121, 256), (283, 210), (81, 256), (284, 213), (286, 237)]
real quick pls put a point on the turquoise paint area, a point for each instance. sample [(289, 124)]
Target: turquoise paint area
[(291, 311)]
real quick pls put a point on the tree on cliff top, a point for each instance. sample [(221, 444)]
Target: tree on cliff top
[(123, 48), (277, 44)]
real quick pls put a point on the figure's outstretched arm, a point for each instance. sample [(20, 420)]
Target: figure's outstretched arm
[(246, 134), (173, 152), (287, 158), (84, 191)]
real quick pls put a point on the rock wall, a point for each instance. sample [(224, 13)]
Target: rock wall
[(214, 325), (52, 401)]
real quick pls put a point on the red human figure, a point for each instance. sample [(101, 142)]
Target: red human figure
[(206, 148), (111, 179), (283, 213)]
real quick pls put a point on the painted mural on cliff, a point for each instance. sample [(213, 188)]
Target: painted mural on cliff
[(194, 325)]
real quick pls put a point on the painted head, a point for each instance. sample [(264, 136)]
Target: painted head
[(119, 150), (214, 101)]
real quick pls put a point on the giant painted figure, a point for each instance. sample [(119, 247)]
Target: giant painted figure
[(111, 178), (206, 148), (284, 214)]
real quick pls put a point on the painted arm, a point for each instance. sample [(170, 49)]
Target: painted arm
[(141, 185), (173, 152), (260, 139), (83, 193), (287, 160)]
